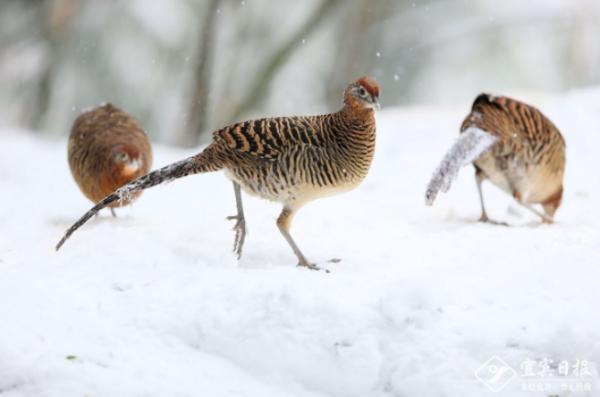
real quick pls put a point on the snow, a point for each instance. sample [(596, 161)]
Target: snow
[(155, 304)]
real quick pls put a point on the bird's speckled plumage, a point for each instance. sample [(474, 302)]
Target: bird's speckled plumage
[(293, 160)]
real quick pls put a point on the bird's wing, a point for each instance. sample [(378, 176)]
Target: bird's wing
[(268, 138)]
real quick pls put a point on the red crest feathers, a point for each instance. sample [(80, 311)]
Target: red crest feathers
[(370, 85)]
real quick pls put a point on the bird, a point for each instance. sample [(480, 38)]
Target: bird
[(513, 145), (290, 160), (107, 148)]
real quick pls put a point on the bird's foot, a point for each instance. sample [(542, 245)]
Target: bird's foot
[(485, 219), (240, 233), (112, 211), (311, 266)]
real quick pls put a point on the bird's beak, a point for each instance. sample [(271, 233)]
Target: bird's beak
[(376, 104)]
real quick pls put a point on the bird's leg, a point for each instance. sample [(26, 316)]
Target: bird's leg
[(479, 178), (283, 223), (545, 218), (112, 211), (240, 224), (518, 197)]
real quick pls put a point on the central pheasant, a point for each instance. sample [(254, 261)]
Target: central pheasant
[(291, 160)]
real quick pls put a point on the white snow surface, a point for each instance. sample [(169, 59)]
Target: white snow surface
[(155, 304)]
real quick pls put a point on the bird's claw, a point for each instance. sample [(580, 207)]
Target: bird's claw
[(240, 234), (311, 266), (485, 219)]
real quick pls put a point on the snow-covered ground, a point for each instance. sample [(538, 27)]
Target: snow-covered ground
[(155, 304)]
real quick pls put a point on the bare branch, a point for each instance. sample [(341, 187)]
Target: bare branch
[(257, 92)]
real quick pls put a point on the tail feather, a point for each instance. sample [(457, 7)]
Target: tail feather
[(471, 144), (202, 162)]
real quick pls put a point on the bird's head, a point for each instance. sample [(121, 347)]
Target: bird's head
[(127, 158), (362, 94)]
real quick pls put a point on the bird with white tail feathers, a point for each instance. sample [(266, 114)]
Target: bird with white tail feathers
[(513, 145)]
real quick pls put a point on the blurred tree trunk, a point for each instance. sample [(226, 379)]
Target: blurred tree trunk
[(197, 116), (57, 20), (258, 91)]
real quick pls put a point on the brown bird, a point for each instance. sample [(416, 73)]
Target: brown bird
[(290, 160), (107, 149), (513, 145)]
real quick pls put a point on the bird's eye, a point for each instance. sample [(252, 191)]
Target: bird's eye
[(362, 92)]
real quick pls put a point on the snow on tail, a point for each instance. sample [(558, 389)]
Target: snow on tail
[(471, 144), (203, 162)]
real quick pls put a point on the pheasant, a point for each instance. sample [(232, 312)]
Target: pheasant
[(513, 145), (290, 160), (107, 149)]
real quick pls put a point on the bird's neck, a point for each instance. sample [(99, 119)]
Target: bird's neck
[(359, 122), (354, 136), (358, 113)]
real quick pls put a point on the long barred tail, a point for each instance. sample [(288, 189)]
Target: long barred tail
[(203, 162), (471, 144)]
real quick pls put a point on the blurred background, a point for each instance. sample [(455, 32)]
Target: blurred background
[(187, 67)]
